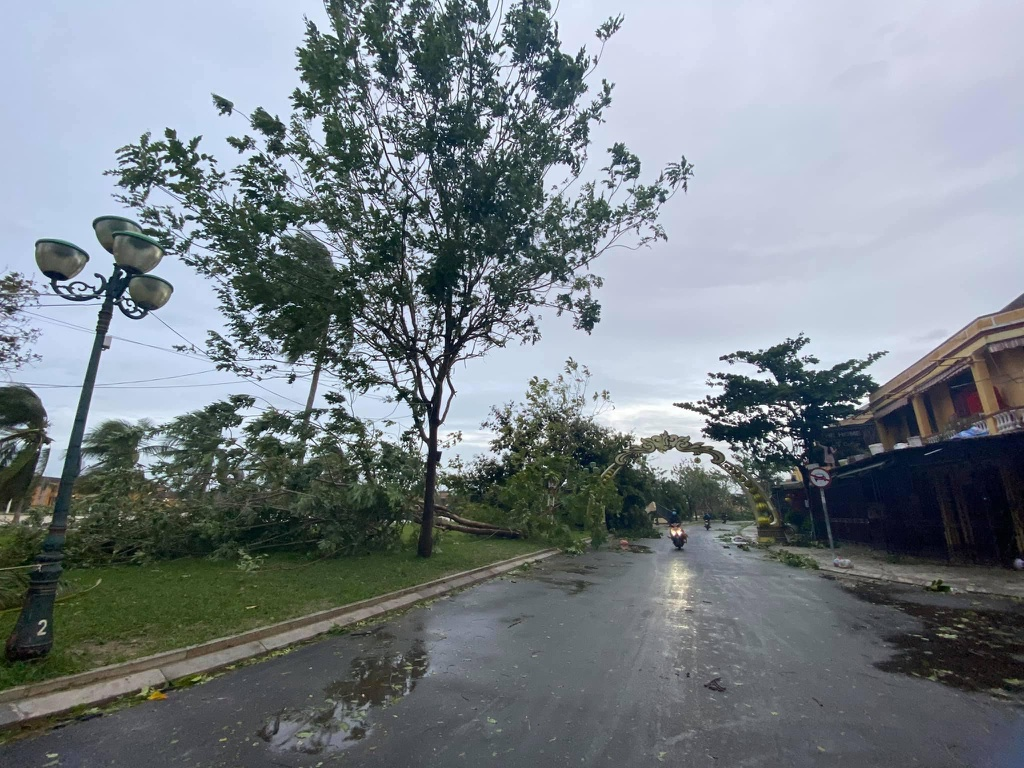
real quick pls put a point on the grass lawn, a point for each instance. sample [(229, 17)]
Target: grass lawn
[(139, 610)]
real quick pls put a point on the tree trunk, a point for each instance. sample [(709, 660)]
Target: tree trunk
[(497, 533), (474, 523), (313, 384), (805, 476), (426, 545)]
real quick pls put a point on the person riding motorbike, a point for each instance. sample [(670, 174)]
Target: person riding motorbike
[(675, 530), (707, 521)]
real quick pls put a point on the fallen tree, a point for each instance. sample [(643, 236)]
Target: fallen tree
[(447, 520)]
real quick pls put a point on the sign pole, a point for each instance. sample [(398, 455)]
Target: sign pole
[(821, 478), (828, 525)]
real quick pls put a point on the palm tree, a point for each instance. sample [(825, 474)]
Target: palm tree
[(118, 444), (22, 439)]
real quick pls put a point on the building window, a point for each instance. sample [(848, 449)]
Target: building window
[(964, 395)]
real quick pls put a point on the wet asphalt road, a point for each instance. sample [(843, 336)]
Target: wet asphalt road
[(597, 660)]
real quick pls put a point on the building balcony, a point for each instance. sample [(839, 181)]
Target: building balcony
[(1009, 420)]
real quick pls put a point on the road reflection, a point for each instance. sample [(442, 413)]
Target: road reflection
[(343, 717)]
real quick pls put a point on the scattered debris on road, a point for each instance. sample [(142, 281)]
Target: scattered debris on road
[(792, 559), (639, 549), (715, 685), (972, 645)]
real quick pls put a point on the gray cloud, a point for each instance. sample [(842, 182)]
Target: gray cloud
[(859, 178)]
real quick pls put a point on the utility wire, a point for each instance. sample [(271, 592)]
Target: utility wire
[(157, 386), (72, 326), (251, 381), (119, 383), (206, 358)]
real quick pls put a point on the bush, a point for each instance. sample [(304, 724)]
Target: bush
[(19, 544)]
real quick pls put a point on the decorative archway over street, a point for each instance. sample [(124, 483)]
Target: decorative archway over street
[(665, 442)]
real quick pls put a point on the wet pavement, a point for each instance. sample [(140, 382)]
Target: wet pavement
[(706, 656), (878, 564)]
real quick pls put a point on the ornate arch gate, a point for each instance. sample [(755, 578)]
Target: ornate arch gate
[(665, 442)]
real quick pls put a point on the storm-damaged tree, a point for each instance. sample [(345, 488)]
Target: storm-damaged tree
[(17, 335), (782, 412), (23, 445), (439, 152)]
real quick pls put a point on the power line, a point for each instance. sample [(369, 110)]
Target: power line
[(160, 386), (61, 304), (72, 326), (65, 324), (187, 341), (251, 381), (119, 383), (178, 386)]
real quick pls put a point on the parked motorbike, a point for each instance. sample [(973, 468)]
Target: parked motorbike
[(678, 535)]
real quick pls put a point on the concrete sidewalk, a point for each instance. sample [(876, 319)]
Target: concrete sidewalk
[(871, 563)]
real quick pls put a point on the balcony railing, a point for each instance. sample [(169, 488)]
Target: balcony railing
[(1007, 420), (1010, 420)]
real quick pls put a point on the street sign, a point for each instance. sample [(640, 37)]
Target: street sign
[(820, 477)]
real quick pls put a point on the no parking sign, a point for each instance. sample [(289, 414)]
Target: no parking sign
[(820, 477)]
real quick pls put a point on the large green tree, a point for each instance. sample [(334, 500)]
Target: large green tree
[(439, 152), (781, 412)]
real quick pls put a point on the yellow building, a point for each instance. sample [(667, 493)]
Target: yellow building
[(973, 379)]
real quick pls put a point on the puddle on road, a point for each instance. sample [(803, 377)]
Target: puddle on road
[(571, 586), (342, 718), (970, 647), (560, 575)]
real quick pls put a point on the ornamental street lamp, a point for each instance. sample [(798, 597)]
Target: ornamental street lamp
[(136, 294)]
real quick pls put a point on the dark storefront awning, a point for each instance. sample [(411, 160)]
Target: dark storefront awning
[(893, 406)]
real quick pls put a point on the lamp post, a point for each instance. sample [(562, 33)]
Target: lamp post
[(136, 294)]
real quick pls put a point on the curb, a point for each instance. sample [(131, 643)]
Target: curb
[(25, 703), (823, 568), (910, 582)]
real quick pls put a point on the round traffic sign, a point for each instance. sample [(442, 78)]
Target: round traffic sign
[(820, 477)]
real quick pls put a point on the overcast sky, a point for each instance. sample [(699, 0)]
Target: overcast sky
[(859, 177)]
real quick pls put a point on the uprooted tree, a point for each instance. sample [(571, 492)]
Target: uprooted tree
[(438, 151)]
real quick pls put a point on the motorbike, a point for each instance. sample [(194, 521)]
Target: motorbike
[(707, 525), (678, 535)]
